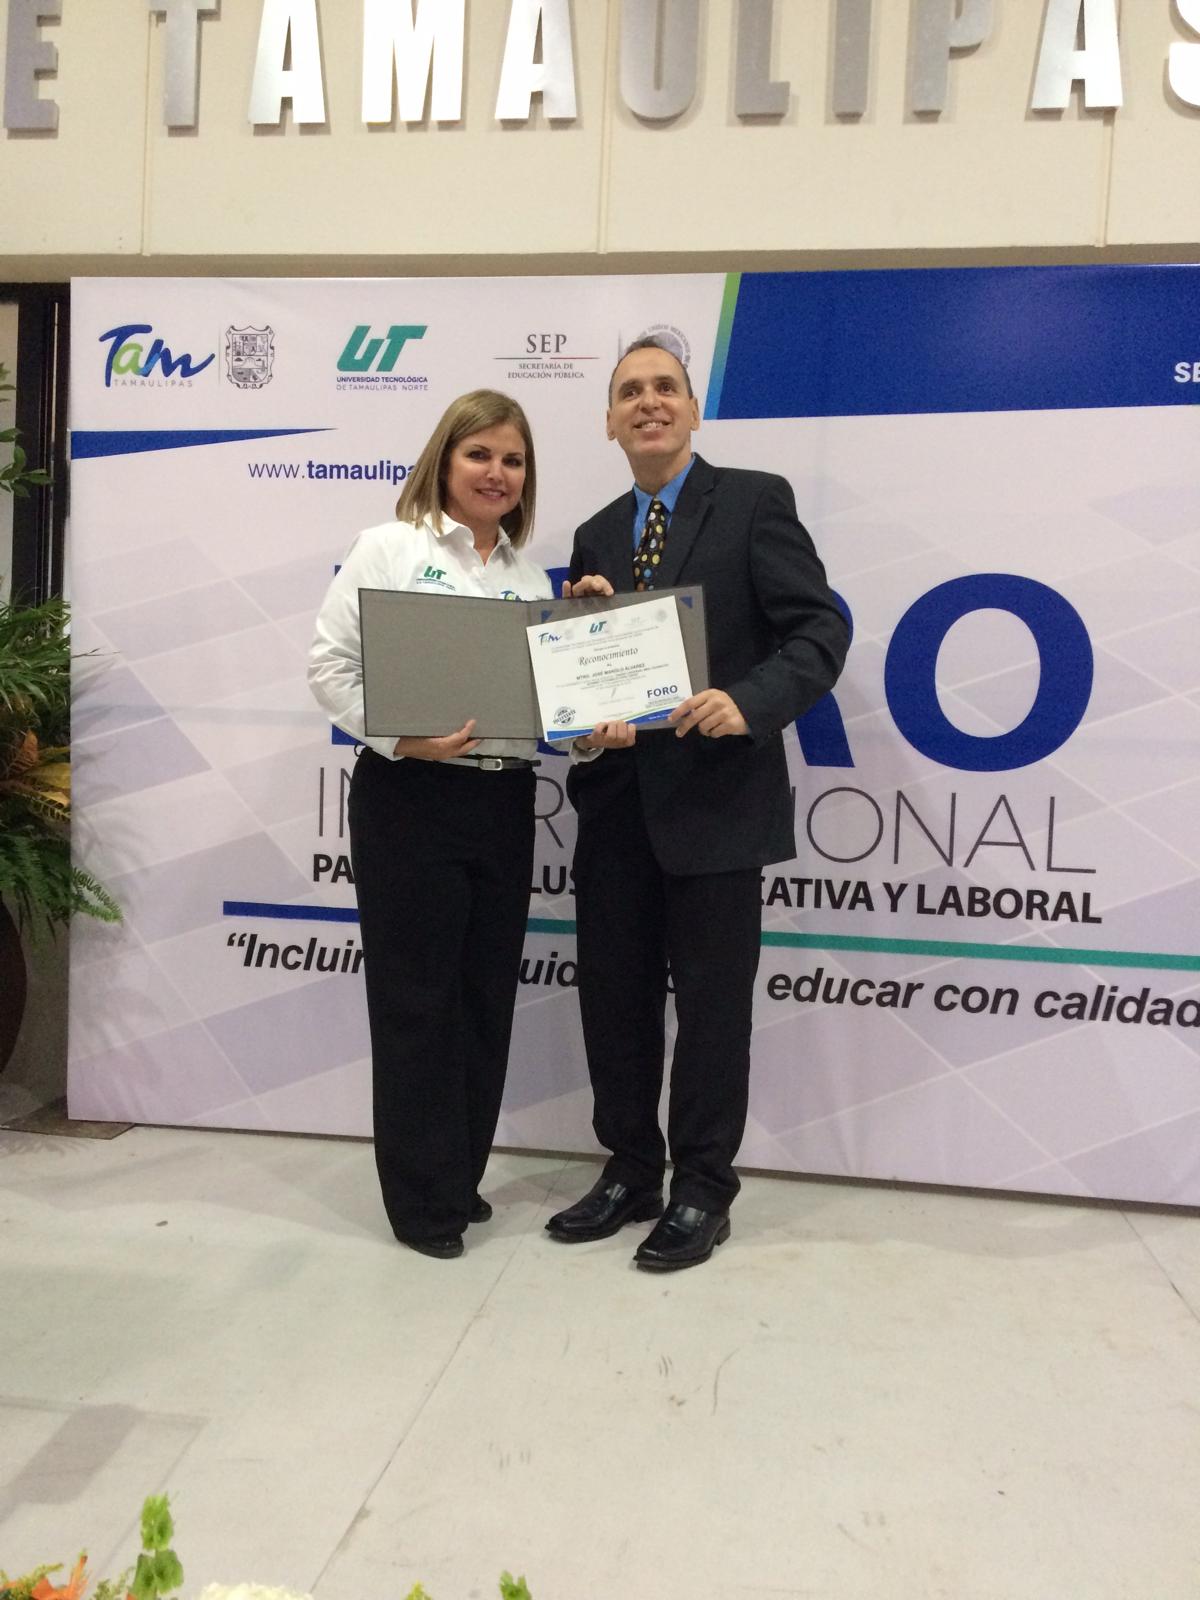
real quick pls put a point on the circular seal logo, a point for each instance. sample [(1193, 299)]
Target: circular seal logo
[(671, 338), (563, 717)]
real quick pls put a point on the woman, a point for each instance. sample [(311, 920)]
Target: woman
[(441, 845)]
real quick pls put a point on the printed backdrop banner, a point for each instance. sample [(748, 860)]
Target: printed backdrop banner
[(982, 967)]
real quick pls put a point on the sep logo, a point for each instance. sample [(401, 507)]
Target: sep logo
[(132, 360), (545, 356)]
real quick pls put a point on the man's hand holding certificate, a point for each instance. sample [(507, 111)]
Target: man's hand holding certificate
[(624, 665)]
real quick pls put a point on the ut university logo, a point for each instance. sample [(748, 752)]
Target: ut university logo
[(363, 352)]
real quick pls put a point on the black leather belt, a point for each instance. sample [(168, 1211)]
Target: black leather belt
[(499, 763)]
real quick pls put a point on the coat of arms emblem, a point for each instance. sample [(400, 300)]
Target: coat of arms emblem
[(249, 354)]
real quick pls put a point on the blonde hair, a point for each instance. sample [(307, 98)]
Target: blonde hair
[(424, 490)]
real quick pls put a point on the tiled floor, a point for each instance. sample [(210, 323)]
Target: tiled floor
[(868, 1394)]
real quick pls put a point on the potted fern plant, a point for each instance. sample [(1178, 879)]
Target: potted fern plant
[(40, 887)]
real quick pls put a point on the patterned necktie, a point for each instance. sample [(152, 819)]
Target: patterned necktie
[(648, 554)]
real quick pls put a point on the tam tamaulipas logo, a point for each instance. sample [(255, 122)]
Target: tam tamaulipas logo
[(249, 356), (137, 356), (368, 361), (544, 353)]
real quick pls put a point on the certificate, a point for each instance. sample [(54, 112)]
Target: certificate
[(628, 665), (432, 661)]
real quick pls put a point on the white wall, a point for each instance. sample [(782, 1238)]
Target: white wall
[(114, 189)]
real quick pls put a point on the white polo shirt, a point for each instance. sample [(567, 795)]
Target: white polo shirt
[(418, 559)]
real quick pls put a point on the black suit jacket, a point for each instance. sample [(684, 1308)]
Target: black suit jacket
[(776, 642)]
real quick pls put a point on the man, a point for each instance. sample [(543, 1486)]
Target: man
[(675, 828)]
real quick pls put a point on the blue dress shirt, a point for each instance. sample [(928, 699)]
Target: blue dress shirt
[(668, 494)]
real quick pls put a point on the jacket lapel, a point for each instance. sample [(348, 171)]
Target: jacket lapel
[(614, 543), (687, 521)]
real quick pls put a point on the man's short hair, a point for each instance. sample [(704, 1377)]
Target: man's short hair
[(650, 343)]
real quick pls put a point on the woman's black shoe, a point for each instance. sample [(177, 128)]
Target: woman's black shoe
[(480, 1210)]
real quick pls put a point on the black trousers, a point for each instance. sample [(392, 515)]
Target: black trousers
[(443, 859), (636, 923)]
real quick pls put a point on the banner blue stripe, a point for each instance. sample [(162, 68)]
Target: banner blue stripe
[(285, 913), (87, 443), (902, 343)]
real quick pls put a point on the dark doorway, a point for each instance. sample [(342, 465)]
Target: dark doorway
[(40, 414)]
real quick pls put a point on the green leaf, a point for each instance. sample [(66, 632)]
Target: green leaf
[(38, 881), (15, 477), (513, 1588), (113, 1588), (168, 1572), (92, 898), (143, 1586), (156, 1573), (157, 1526)]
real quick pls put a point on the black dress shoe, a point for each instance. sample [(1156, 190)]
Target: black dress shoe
[(443, 1247), (603, 1211), (684, 1237), (480, 1210)]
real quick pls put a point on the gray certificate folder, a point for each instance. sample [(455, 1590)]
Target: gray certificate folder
[(430, 661)]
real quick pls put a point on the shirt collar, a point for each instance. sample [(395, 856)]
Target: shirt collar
[(449, 528), (668, 494)]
